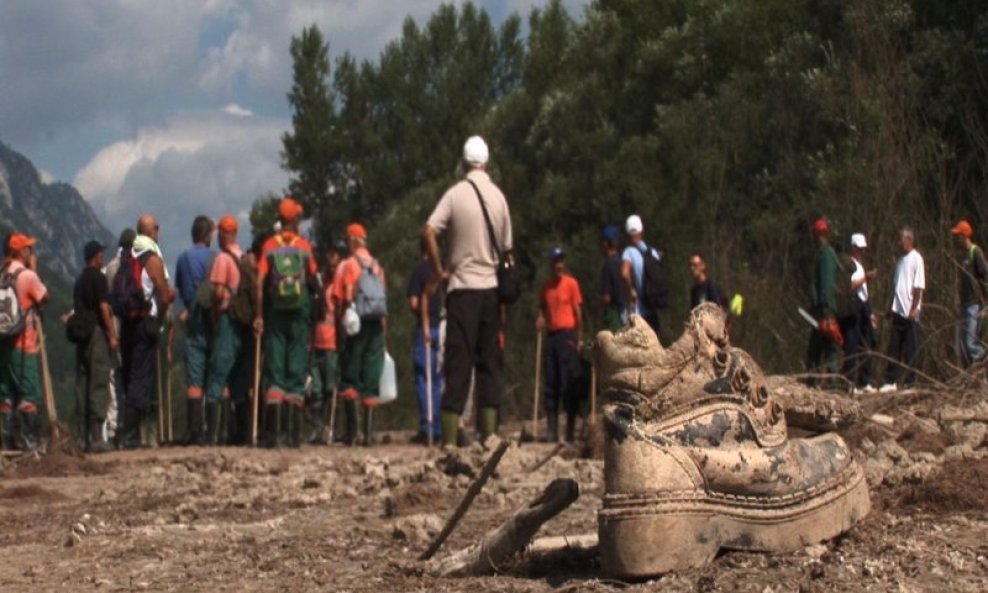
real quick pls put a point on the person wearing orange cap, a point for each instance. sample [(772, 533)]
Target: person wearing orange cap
[(286, 278), (360, 283), (21, 296), (972, 288), (824, 350)]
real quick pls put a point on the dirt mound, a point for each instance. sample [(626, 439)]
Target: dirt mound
[(31, 492), (55, 464), (960, 485)]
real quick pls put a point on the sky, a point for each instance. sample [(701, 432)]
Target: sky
[(174, 107)]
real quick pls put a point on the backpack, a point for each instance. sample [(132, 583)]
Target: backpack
[(242, 303), (371, 298), (127, 294), (655, 282), (287, 282), (205, 295), (11, 314)]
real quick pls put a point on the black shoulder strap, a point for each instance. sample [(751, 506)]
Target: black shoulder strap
[(487, 219)]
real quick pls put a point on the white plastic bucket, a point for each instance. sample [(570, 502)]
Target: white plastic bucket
[(388, 387)]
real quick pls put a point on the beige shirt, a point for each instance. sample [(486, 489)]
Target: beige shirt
[(472, 259)]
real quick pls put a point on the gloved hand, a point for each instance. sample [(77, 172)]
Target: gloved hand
[(831, 330)]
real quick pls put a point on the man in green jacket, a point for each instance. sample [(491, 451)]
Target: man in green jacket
[(824, 350)]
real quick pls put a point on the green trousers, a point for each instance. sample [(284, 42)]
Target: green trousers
[(20, 378), (286, 354), (822, 355), (363, 361), (224, 348), (92, 379), (196, 351), (324, 370)]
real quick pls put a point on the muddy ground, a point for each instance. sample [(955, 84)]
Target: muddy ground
[(338, 519)]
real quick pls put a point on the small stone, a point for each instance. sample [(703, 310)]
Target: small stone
[(73, 540), (815, 551), (79, 528)]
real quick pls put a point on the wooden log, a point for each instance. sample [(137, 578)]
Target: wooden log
[(472, 492), (498, 546)]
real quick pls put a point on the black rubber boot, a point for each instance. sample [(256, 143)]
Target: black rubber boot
[(8, 431), (96, 442), (240, 431), (212, 423), (130, 428), (553, 421), (570, 427), (269, 440), (29, 431), (193, 415), (368, 426), (226, 422), (317, 423), (350, 422), (295, 419)]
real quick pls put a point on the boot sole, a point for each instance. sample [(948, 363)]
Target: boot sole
[(649, 535)]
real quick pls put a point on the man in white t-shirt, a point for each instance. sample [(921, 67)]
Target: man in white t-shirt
[(859, 334), (909, 284)]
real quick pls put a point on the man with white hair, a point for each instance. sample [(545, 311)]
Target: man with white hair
[(907, 300), (475, 213), (633, 267)]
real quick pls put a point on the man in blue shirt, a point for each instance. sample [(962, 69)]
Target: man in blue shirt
[(191, 269), (611, 288), (632, 271)]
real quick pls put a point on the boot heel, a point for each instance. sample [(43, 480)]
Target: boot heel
[(639, 545)]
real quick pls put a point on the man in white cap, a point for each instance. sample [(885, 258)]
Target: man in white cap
[(472, 211), (645, 296), (858, 328)]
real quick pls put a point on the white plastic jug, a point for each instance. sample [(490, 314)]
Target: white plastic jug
[(388, 387)]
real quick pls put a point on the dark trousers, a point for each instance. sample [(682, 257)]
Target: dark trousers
[(859, 340), (138, 348), (561, 366), (421, 385), (472, 326), (902, 348)]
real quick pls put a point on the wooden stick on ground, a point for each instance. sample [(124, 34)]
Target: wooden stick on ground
[(255, 406), (464, 505), (512, 536), (49, 393)]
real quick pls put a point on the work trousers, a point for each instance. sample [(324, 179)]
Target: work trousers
[(419, 349), (92, 380), (20, 378), (362, 362), (472, 326), (324, 370), (859, 340), (224, 349), (561, 367), (970, 349), (197, 359), (138, 349), (242, 375), (286, 355), (902, 349), (822, 354)]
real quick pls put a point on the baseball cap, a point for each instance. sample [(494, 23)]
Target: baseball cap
[(556, 253), (227, 224), (821, 226), (633, 225), (127, 238), (289, 209), (475, 151), (356, 230), (963, 228), (20, 241), (609, 233), (91, 249), (858, 240)]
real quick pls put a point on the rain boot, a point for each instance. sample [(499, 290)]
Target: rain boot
[(8, 428), (488, 422), (570, 427), (284, 420), (241, 430), (350, 422), (450, 422), (97, 444), (193, 415), (130, 428), (317, 423), (269, 440), (552, 434), (212, 423), (368, 426), (29, 431), (226, 422), (295, 419)]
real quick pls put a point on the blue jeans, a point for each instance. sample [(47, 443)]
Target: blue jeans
[(969, 346), (418, 356)]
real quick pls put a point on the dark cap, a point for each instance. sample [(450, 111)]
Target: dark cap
[(126, 238), (91, 250), (610, 233), (556, 254)]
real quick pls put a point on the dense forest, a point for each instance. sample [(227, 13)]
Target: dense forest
[(729, 125)]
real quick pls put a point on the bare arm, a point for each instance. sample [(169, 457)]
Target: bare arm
[(629, 289), (917, 297), (106, 316), (432, 248), (156, 271)]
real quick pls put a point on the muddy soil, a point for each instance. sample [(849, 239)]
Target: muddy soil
[(339, 519)]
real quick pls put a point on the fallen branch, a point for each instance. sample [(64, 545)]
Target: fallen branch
[(963, 416), (555, 451), (472, 493), (512, 536)]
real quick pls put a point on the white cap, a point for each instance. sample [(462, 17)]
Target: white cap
[(633, 225), (475, 151), (858, 240)]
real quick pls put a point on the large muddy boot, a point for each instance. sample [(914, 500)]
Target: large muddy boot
[(8, 430), (29, 431), (130, 428), (97, 443), (316, 416), (350, 422), (269, 439), (695, 470), (193, 415), (212, 423)]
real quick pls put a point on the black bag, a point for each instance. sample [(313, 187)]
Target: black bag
[(508, 286), (655, 281), (79, 327)]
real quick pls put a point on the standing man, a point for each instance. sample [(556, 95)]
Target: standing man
[(190, 271), (360, 282), (20, 344), (560, 308), (91, 303), (285, 274), (324, 365), (612, 301), (225, 340), (243, 308), (972, 288), (426, 338), (857, 327), (823, 353), (140, 326), (633, 273), (125, 245), (474, 315), (910, 282), (704, 289)]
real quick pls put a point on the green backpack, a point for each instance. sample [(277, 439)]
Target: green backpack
[(286, 279)]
